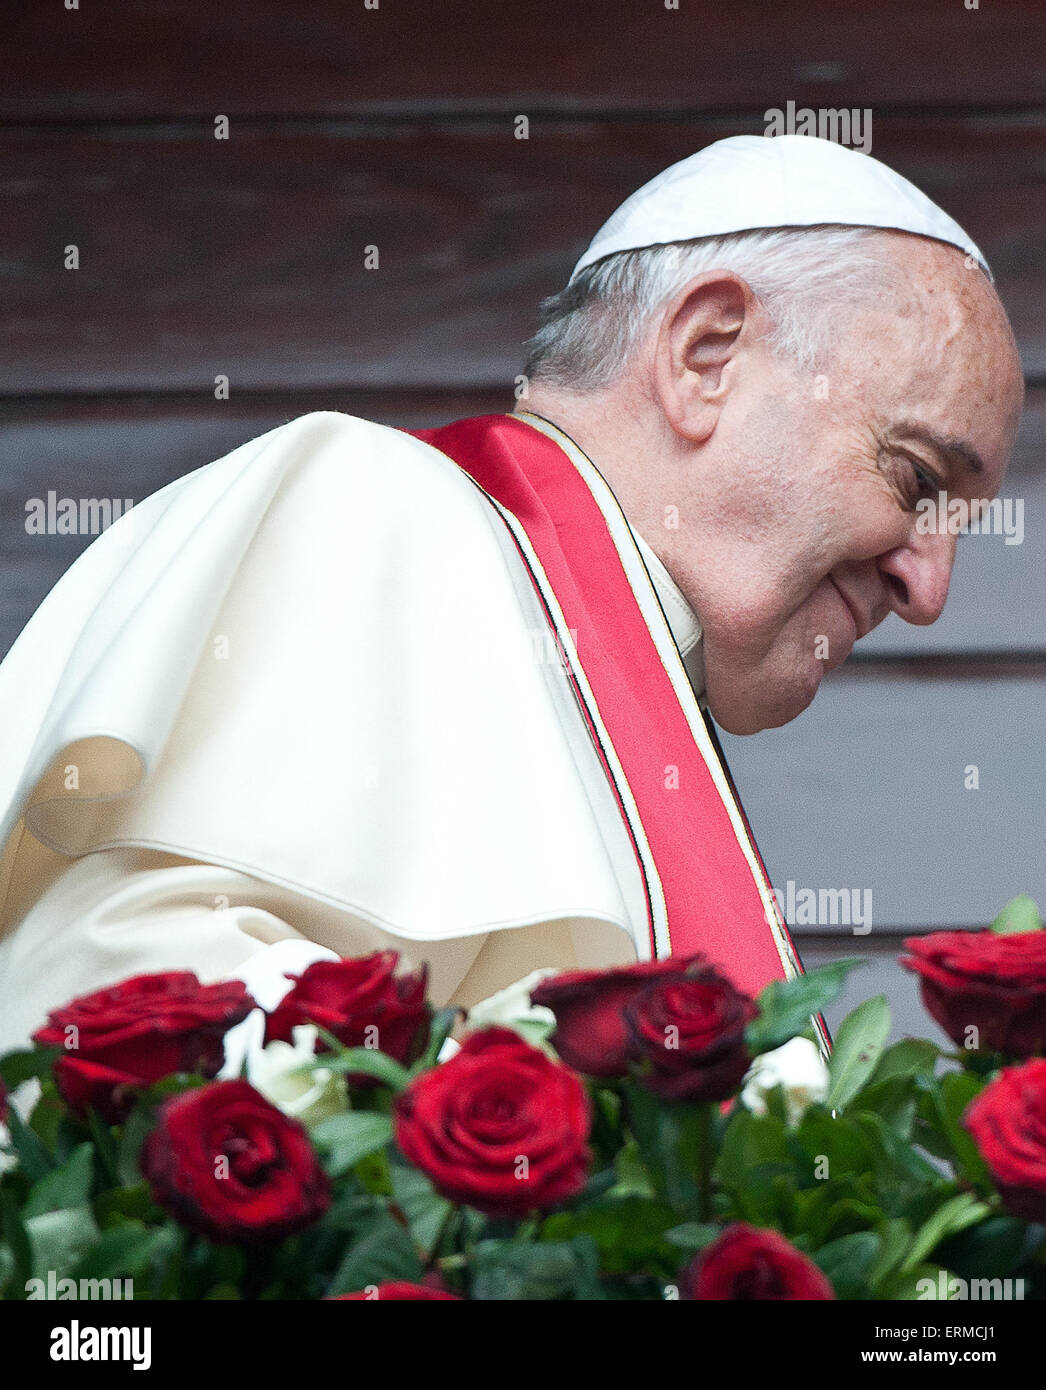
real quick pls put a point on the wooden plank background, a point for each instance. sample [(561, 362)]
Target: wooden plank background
[(122, 60), (394, 127), (246, 256)]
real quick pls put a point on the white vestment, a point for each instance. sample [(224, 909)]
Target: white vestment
[(302, 701)]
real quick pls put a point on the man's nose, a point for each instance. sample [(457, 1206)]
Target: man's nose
[(917, 575)]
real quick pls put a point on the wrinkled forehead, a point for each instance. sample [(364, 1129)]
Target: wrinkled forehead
[(938, 351)]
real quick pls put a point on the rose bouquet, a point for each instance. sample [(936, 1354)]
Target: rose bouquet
[(646, 1132)]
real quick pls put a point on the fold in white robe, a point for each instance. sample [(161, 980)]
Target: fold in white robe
[(306, 697)]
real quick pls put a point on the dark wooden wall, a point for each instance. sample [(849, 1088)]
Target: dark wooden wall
[(394, 127)]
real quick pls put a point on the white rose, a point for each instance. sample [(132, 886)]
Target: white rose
[(281, 1072), (8, 1158), (797, 1067), (511, 1008)]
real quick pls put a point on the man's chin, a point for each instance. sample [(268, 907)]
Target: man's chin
[(776, 703)]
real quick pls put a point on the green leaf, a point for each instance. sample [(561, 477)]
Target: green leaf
[(368, 1062), (858, 1047), (692, 1236), (989, 1250), (17, 1067), (775, 1098), (643, 1115), (755, 1151), (955, 1092), (60, 1238), (131, 1203), (633, 1180), (749, 1143), (380, 1252), (1021, 914), (126, 1251), (847, 1263), (671, 1138), (440, 1029), (600, 1185), (28, 1146), (629, 1233), (895, 1235), (897, 1165), (16, 1239), (680, 1140), (835, 1139), (105, 1145), (67, 1186), (425, 1210), (504, 1270), (141, 1120), (955, 1215), (910, 1286), (372, 1173), (51, 1123), (349, 1137), (830, 1210), (787, 1006), (893, 1100), (909, 1057)]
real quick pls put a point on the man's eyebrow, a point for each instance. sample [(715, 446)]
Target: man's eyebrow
[(956, 451)]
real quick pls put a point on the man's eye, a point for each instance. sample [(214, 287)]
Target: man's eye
[(924, 483)]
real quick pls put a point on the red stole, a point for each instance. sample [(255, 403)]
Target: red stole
[(706, 886)]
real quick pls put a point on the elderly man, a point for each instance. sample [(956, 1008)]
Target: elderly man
[(349, 688)]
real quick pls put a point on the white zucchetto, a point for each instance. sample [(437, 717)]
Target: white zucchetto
[(752, 182)]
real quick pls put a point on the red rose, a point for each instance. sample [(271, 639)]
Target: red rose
[(689, 1027), (137, 1032), (227, 1164), (591, 1035), (82, 1084), (987, 981), (362, 1003), (747, 1263), (1008, 1124), (402, 1292), (500, 1126)]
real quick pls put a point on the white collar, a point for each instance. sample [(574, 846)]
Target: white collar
[(682, 620)]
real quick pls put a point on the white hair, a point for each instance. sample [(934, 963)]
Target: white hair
[(590, 329)]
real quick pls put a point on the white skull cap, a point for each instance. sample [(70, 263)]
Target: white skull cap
[(750, 182)]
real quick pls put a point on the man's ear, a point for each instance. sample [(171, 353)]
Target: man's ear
[(696, 346)]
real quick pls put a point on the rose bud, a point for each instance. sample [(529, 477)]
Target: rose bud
[(748, 1263), (992, 983), (689, 1030), (591, 1035), (1008, 1124), (362, 1002)]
